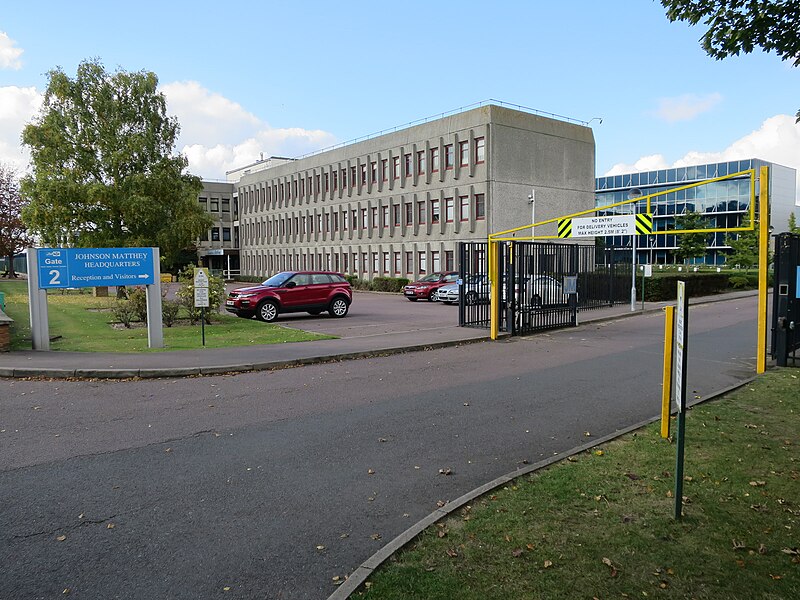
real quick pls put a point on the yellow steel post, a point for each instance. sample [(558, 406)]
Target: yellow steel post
[(763, 265), (666, 379), (493, 294)]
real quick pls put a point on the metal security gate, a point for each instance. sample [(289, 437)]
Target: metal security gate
[(533, 276), (786, 299)]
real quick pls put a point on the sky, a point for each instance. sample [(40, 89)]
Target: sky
[(288, 78)]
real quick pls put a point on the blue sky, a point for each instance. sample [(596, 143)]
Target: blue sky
[(286, 78)]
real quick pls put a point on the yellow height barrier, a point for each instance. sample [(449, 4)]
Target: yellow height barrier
[(763, 265), (666, 379)]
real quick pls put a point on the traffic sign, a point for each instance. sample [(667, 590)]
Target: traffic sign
[(201, 277), (201, 297), (92, 267), (638, 224)]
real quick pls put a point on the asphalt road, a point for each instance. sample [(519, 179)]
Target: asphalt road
[(260, 483)]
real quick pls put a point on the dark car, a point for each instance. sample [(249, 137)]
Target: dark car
[(425, 288), (293, 291)]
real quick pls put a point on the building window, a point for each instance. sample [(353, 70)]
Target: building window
[(463, 208), (386, 263), (463, 153), (325, 187), (449, 210), (480, 150), (373, 213), (409, 262), (434, 211), (449, 156), (355, 218), (395, 167), (422, 262), (434, 160), (436, 265), (336, 180), (385, 216), (204, 236), (396, 214), (421, 216), (353, 177), (363, 174), (203, 203), (364, 219), (421, 162), (384, 169), (355, 263), (226, 234), (397, 264), (215, 205), (480, 207), (449, 264), (409, 213), (365, 261), (374, 262), (226, 205), (374, 171), (215, 234), (407, 165)]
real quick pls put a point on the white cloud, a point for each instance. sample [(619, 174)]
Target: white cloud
[(17, 107), (9, 55), (218, 135), (777, 140), (686, 107)]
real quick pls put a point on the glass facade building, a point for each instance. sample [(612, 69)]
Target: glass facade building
[(724, 204)]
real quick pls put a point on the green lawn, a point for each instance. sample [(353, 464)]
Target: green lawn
[(81, 322), (600, 525)]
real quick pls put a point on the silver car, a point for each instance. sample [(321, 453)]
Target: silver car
[(476, 289)]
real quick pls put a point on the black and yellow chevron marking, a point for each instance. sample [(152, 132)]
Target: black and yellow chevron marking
[(564, 228), (644, 223)]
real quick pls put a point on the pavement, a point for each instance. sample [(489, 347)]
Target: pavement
[(352, 344)]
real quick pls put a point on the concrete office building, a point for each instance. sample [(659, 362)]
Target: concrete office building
[(398, 204), (218, 248), (724, 204)]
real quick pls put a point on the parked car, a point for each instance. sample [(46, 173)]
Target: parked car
[(425, 288), (543, 290), (292, 291), (476, 289)]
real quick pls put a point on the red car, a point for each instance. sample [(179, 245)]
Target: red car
[(424, 288), (293, 291)]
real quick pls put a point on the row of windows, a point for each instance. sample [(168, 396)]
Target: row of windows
[(213, 204), (675, 175), (215, 235), (345, 219), (279, 193), (396, 264)]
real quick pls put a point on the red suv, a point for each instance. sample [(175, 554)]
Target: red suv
[(293, 291), (426, 287)]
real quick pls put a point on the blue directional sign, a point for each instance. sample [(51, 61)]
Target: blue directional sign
[(91, 267)]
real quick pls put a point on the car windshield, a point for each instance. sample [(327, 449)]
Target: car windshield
[(431, 277), (278, 279)]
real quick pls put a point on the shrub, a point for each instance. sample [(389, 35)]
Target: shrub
[(216, 295), (137, 297), (124, 313), (169, 312)]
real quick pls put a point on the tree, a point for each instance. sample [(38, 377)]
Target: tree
[(691, 245), (744, 247), (104, 170), (793, 227), (736, 26), (13, 235)]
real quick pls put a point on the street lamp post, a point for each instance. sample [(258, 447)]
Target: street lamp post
[(532, 202)]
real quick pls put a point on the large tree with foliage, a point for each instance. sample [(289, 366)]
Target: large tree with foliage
[(13, 235), (736, 26), (691, 245), (105, 173)]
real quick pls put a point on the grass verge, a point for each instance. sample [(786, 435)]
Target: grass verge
[(600, 524), (82, 324)]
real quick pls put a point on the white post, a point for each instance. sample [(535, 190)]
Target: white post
[(532, 202), (633, 270), (155, 332), (37, 304)]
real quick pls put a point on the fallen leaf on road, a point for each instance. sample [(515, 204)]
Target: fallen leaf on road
[(61, 538)]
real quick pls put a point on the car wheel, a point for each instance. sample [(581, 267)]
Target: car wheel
[(471, 298), (267, 311), (432, 297), (339, 307)]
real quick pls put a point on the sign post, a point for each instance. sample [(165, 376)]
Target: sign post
[(681, 339), (53, 268), (201, 297)]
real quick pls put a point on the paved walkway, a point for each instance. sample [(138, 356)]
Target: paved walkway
[(210, 361)]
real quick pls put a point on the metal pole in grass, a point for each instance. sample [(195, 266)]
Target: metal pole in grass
[(681, 338)]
